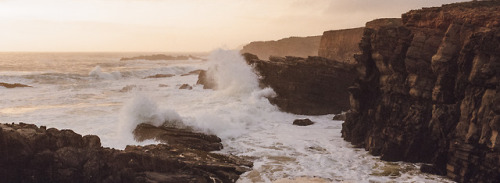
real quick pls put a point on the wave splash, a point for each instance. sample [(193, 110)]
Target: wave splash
[(98, 74), (226, 112)]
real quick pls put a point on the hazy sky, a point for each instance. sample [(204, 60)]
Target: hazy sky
[(180, 25)]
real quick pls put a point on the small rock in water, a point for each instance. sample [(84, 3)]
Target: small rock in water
[(303, 122), (160, 76), (128, 88), (186, 87), (15, 85)]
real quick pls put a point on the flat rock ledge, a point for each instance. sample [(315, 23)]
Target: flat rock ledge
[(35, 154)]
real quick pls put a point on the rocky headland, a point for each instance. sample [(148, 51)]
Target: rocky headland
[(312, 85), (341, 45), (292, 46), (35, 154), (160, 57), (428, 90)]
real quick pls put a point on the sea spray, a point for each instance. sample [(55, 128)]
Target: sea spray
[(141, 109), (98, 74), (231, 73)]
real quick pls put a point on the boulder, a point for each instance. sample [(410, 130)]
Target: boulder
[(185, 87)]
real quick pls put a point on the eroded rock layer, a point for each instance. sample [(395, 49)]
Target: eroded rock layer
[(312, 85), (340, 45), (32, 154), (428, 90)]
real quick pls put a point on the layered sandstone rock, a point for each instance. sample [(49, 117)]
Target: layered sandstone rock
[(428, 90), (340, 45), (312, 85), (293, 46), (32, 154)]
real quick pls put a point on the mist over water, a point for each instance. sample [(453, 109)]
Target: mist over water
[(108, 98)]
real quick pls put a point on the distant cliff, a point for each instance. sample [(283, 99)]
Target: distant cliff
[(340, 45), (292, 46), (428, 90)]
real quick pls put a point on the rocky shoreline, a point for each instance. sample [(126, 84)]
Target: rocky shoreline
[(36, 154)]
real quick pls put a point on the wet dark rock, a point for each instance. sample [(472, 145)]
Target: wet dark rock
[(160, 57), (185, 87), (428, 90), (303, 122), (205, 80), (160, 76), (13, 85), (312, 85), (341, 116), (32, 154)]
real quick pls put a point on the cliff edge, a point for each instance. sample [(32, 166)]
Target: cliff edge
[(428, 90), (341, 45), (292, 46)]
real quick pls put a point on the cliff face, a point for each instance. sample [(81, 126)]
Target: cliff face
[(340, 45), (32, 154), (312, 85), (428, 90), (293, 46)]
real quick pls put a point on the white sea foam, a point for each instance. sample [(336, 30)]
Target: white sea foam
[(97, 73), (231, 73)]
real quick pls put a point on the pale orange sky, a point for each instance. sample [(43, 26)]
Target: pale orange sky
[(179, 25)]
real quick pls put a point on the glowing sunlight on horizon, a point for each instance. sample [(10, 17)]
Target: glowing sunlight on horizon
[(179, 25)]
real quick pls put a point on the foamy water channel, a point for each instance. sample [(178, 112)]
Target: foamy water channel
[(95, 93)]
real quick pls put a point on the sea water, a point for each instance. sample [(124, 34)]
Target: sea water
[(96, 93)]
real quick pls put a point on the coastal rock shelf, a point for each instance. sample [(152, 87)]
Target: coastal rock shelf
[(32, 154), (428, 90), (312, 85)]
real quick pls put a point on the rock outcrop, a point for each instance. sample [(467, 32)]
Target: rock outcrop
[(341, 45), (428, 90), (292, 46), (32, 154), (205, 80), (13, 85), (312, 85)]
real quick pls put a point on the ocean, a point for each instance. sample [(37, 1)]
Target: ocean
[(96, 93)]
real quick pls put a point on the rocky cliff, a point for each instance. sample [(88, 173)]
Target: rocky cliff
[(292, 46), (428, 90), (312, 85), (340, 45), (32, 154)]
